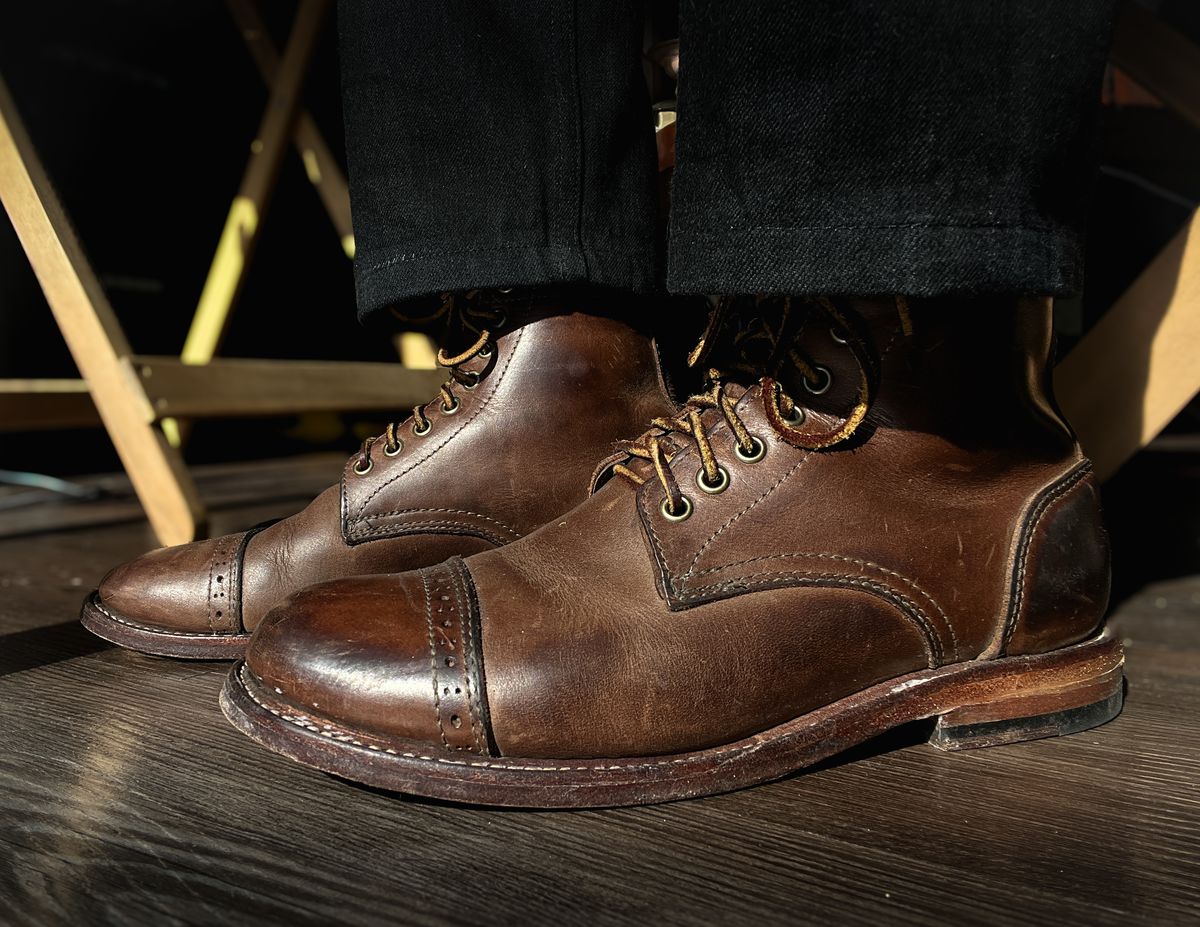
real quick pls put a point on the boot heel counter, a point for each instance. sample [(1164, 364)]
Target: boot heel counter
[(1061, 572)]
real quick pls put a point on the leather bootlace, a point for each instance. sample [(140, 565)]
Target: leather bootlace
[(764, 345), (463, 318)]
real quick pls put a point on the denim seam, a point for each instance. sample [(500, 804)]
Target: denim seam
[(833, 228), (441, 252), (580, 145)]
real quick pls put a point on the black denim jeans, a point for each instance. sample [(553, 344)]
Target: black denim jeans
[(920, 147)]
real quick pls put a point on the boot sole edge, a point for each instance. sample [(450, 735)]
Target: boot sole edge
[(1091, 672), (108, 624)]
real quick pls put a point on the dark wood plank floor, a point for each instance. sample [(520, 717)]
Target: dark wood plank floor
[(126, 798)]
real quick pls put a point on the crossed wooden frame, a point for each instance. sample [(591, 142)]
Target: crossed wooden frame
[(1124, 382), (139, 399)]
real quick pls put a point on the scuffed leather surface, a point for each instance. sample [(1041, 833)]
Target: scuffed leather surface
[(583, 658), (559, 395), (1061, 581), (191, 587)]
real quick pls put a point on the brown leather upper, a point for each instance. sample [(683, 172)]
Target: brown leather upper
[(958, 522), (555, 392)]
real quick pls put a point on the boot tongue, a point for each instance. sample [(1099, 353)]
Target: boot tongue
[(455, 320), (744, 337)]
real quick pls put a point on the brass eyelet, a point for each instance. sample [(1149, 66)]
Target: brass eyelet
[(683, 515), (363, 471), (753, 456), (719, 487), (795, 418), (485, 353), (393, 451), (451, 409), (838, 336), (823, 386), (422, 432), (475, 378)]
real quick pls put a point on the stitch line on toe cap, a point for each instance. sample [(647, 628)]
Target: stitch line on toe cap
[(433, 671), (462, 634), (99, 606), (221, 557)]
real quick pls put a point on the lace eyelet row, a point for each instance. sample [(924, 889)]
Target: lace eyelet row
[(757, 453), (451, 409), (422, 425)]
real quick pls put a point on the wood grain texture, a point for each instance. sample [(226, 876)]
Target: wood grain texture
[(126, 798), (265, 484)]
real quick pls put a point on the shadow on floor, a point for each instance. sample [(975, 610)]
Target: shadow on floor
[(52, 643)]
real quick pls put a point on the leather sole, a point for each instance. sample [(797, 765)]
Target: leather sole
[(107, 623), (979, 703)]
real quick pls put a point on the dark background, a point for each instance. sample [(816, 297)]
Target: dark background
[(143, 111)]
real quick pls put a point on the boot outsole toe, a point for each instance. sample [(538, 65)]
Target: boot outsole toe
[(107, 623)]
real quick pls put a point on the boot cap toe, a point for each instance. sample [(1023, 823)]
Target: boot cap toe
[(394, 656)]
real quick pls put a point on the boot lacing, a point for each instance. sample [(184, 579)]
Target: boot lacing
[(782, 411), (463, 317)]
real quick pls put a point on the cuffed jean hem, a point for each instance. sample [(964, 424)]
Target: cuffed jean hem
[(906, 260), (384, 280)]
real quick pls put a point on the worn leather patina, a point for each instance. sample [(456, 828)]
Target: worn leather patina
[(539, 395), (955, 522)]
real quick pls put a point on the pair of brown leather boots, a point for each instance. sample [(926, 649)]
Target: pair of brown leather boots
[(872, 514)]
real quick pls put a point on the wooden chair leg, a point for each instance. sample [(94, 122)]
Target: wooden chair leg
[(93, 334), (1140, 365), (322, 168), (241, 231)]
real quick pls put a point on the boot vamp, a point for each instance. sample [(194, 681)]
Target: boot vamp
[(310, 548), (614, 632)]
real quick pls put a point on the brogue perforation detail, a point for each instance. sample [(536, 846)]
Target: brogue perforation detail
[(453, 659), (222, 583)]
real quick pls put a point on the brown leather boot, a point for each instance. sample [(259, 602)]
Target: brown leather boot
[(759, 585), (535, 397)]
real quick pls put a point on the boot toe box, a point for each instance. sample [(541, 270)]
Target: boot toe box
[(390, 656), (187, 589)]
